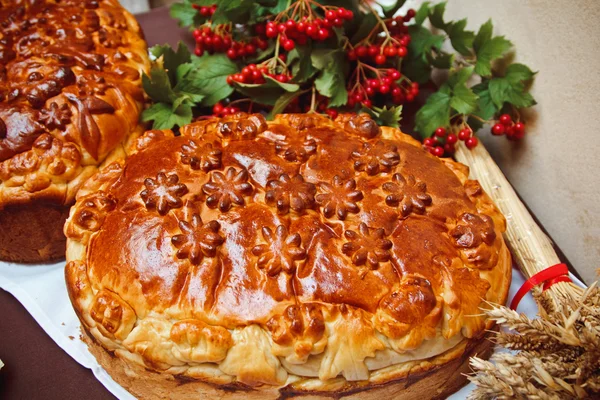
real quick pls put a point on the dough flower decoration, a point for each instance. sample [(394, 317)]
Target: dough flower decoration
[(367, 247), (296, 148), (55, 116), (472, 230), (163, 193), (92, 212), (377, 157), (224, 190), (408, 194), (197, 239), (339, 197), (280, 251), (204, 157), (294, 193)]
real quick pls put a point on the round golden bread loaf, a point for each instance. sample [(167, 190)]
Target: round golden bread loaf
[(301, 256), (70, 101)]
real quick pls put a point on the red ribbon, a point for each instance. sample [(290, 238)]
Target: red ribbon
[(549, 276)]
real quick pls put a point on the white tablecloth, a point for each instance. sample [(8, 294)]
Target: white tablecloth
[(42, 291)]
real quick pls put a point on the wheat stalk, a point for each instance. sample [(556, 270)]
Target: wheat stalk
[(556, 356)]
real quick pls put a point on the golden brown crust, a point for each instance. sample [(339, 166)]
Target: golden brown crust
[(329, 251), (70, 96)]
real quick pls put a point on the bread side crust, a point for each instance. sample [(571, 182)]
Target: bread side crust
[(414, 380)]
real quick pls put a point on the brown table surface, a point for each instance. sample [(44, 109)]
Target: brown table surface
[(36, 368)]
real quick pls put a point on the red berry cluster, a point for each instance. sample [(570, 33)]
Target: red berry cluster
[(220, 110), (252, 73), (387, 84), (204, 10), (506, 126), (207, 40), (291, 32), (379, 53), (443, 142)]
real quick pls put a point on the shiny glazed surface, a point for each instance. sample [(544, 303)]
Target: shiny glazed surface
[(337, 246)]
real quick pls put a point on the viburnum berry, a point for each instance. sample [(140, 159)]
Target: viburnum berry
[(332, 113), (369, 91), (282, 78), (411, 13), (471, 142), (394, 74), (402, 51), (438, 151), (519, 127), (361, 51), (428, 142), (449, 148), (323, 34), (505, 119), (498, 129), (390, 51), (367, 103), (464, 134), (384, 89), (451, 139), (352, 55), (218, 108), (440, 132), (289, 45), (373, 50)]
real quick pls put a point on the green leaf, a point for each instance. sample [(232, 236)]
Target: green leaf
[(233, 11), (158, 85), (288, 87), (463, 100), (486, 108), (185, 13), (416, 68), (165, 116), (209, 74), (190, 89), (434, 113), (267, 93), (331, 81), (442, 60), (484, 34), (284, 101), (461, 39), (436, 15), (502, 90), (367, 23), (518, 73), (389, 11), (459, 76), (389, 116), (422, 13), (301, 64), (422, 40), (489, 51), (171, 59)]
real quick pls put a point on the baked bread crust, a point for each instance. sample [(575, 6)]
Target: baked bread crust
[(70, 101), (324, 256)]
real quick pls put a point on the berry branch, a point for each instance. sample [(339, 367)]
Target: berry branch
[(309, 56)]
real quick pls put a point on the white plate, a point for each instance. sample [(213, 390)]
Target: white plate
[(42, 291)]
